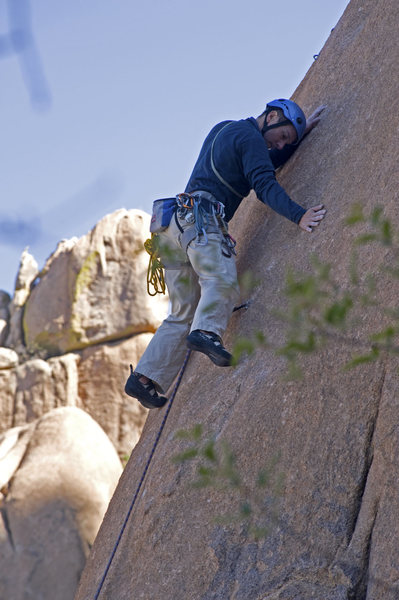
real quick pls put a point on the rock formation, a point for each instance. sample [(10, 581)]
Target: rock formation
[(94, 290), (335, 432), (56, 477), (67, 337), (90, 297), (28, 271), (4, 315)]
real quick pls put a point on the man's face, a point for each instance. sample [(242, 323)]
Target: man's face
[(280, 136)]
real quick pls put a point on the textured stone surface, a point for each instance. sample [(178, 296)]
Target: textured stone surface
[(57, 476), (42, 386), (8, 388), (27, 273), (92, 379), (4, 315), (8, 358), (102, 373), (335, 432), (93, 289)]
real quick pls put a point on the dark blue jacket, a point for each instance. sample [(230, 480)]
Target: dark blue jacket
[(241, 157)]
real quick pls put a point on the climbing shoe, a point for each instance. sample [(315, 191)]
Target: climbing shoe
[(210, 344), (145, 393)]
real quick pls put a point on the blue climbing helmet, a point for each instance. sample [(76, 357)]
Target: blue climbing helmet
[(293, 113)]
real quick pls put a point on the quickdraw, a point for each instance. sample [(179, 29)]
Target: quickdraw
[(229, 243), (190, 207), (155, 271)]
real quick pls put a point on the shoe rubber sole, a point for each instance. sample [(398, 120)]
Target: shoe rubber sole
[(217, 359), (135, 391)]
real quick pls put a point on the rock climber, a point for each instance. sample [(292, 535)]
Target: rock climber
[(196, 249)]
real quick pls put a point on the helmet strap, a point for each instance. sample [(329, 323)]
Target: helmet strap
[(267, 127)]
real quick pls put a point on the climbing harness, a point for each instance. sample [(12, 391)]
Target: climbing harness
[(155, 272), (129, 512), (206, 215), (199, 209)]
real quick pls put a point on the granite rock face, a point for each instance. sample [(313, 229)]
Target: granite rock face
[(57, 476), (102, 373), (59, 464), (335, 432), (27, 273), (93, 290), (4, 315), (92, 379), (42, 385), (90, 297), (8, 358)]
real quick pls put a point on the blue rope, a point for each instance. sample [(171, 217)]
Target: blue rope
[(143, 475)]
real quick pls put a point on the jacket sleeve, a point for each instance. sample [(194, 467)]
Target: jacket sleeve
[(260, 172)]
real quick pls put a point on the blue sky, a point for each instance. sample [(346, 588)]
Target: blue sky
[(108, 103)]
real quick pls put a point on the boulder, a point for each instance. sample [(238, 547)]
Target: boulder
[(13, 444), (93, 290), (42, 386), (8, 358), (102, 373), (27, 273), (92, 379), (333, 434), (4, 315), (57, 477), (8, 388)]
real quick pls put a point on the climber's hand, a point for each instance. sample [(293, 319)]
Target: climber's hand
[(312, 217), (314, 118)]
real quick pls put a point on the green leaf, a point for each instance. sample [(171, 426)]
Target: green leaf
[(384, 336), (362, 359), (376, 214), (322, 269), (260, 338), (336, 313), (209, 451), (245, 509), (248, 281), (296, 345), (355, 216), (186, 455), (353, 267), (306, 287), (365, 238), (205, 472), (386, 233), (242, 346), (195, 433), (263, 478)]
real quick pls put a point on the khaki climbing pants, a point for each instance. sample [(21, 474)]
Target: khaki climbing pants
[(203, 290)]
